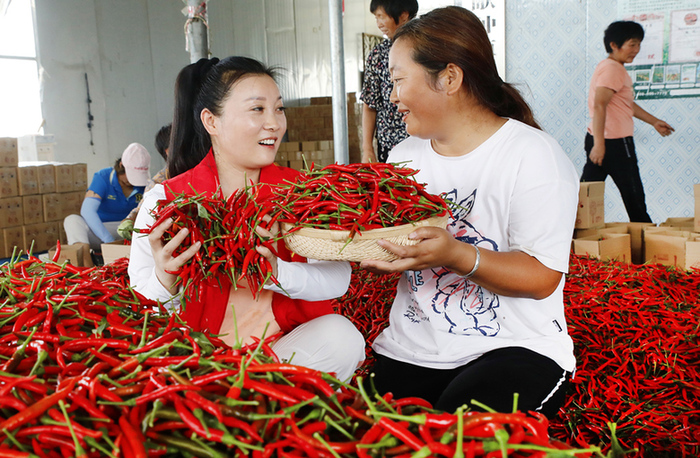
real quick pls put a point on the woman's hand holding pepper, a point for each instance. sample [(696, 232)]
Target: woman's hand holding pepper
[(265, 252), (166, 264)]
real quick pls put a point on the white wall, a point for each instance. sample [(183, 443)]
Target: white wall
[(132, 50)]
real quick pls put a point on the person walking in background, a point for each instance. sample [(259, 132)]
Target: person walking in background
[(609, 144), (126, 227), (379, 115), (113, 193)]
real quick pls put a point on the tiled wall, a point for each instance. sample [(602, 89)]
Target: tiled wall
[(553, 47)]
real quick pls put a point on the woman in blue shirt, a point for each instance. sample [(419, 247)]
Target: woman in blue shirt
[(113, 193)]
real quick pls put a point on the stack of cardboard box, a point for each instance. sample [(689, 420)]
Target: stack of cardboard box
[(34, 199), (675, 242), (310, 133), (591, 237)]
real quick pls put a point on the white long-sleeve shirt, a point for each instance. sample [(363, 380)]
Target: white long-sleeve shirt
[(311, 281)]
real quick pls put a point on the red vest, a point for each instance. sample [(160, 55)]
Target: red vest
[(289, 313)]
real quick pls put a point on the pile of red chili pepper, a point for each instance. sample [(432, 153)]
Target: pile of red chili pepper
[(89, 368), (227, 230), (636, 330), (356, 198), (367, 304)]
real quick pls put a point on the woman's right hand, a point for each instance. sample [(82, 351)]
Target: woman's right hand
[(165, 263), (368, 154), (597, 154)]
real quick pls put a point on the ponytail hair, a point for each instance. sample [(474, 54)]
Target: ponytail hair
[(203, 85), (456, 35)]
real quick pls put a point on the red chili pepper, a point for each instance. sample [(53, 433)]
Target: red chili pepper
[(37, 409), (137, 447)]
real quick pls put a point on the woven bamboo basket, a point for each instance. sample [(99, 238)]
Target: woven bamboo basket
[(331, 245)]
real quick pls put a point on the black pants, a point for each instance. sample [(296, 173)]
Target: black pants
[(492, 379), (620, 162)]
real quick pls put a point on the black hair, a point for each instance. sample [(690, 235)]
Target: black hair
[(455, 35), (621, 31), (163, 140), (204, 84), (119, 167), (395, 8)]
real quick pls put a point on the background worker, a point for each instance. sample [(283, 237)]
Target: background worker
[(609, 144), (379, 115), (113, 193)]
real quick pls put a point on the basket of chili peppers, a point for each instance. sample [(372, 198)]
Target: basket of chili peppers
[(339, 212)]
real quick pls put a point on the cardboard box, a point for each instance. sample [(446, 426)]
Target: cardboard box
[(32, 209), (583, 233), (64, 177), (27, 180), (52, 206), (115, 250), (46, 176), (35, 147), (8, 182), (636, 232), (13, 240), (685, 224), (61, 233), (289, 146), (696, 192), (296, 165), (73, 254), (77, 254), (80, 177), (673, 248), (605, 247), (11, 213), (591, 205), (39, 237), (321, 100), (8, 152), (71, 202)]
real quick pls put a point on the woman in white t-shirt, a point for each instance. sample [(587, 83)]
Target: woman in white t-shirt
[(479, 311)]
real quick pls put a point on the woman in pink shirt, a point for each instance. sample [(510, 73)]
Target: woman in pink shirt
[(609, 144)]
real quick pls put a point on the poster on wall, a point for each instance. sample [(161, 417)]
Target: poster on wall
[(668, 63)]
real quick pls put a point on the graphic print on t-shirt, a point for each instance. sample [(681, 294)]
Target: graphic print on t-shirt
[(465, 307)]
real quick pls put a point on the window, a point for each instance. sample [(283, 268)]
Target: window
[(20, 106)]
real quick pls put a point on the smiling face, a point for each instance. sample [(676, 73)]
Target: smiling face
[(420, 104), (385, 23), (626, 53), (249, 130)]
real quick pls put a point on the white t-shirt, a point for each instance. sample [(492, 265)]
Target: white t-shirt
[(312, 281), (516, 192)]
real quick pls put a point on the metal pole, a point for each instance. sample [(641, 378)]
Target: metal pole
[(340, 105), (196, 30)]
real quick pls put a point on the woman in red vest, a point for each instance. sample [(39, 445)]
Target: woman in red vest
[(228, 124)]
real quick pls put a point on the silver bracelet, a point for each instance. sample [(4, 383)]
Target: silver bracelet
[(476, 263)]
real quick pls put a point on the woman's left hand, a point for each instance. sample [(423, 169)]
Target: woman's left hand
[(263, 250), (436, 248), (663, 128)]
